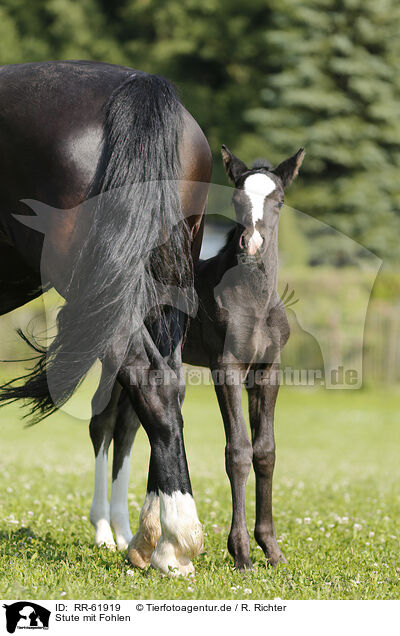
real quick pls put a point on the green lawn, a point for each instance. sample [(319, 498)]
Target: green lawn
[(336, 497)]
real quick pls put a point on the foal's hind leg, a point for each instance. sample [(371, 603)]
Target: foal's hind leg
[(126, 427), (101, 432), (262, 399)]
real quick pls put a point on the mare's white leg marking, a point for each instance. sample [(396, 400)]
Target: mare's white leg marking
[(182, 535), (100, 509), (145, 540), (119, 505)]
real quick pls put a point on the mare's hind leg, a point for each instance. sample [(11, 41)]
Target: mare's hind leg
[(142, 545), (101, 433), (262, 399), (146, 538), (158, 407), (125, 430)]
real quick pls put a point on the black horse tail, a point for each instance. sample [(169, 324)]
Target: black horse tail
[(137, 243)]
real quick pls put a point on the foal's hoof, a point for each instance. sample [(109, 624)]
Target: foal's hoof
[(276, 559), (270, 547), (243, 565)]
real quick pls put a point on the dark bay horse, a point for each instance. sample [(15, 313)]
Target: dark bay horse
[(69, 132), (238, 332)]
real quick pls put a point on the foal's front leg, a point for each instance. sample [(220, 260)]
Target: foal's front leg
[(262, 399), (238, 457)]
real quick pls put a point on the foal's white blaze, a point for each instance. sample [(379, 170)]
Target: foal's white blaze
[(181, 535), (100, 509), (257, 187), (119, 506)]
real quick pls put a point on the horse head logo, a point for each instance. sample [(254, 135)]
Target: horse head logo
[(26, 615)]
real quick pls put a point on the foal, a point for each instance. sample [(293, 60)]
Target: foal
[(239, 331)]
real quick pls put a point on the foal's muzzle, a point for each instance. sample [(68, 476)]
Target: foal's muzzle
[(250, 241)]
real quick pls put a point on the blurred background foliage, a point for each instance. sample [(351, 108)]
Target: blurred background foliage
[(266, 77)]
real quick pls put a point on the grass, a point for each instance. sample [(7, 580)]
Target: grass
[(336, 500)]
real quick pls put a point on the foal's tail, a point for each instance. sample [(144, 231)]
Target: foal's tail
[(137, 232)]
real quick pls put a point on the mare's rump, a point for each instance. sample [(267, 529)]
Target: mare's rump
[(111, 285)]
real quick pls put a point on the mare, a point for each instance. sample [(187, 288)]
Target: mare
[(75, 131)]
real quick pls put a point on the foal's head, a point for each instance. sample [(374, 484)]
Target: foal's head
[(258, 196)]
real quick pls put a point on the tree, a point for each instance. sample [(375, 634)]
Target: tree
[(265, 79), (214, 50), (55, 29), (334, 87)]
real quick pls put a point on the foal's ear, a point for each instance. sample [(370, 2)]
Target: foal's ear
[(234, 167), (288, 169)]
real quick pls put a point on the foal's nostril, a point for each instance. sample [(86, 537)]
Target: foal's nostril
[(242, 242)]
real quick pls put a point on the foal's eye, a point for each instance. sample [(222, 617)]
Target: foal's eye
[(280, 204)]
